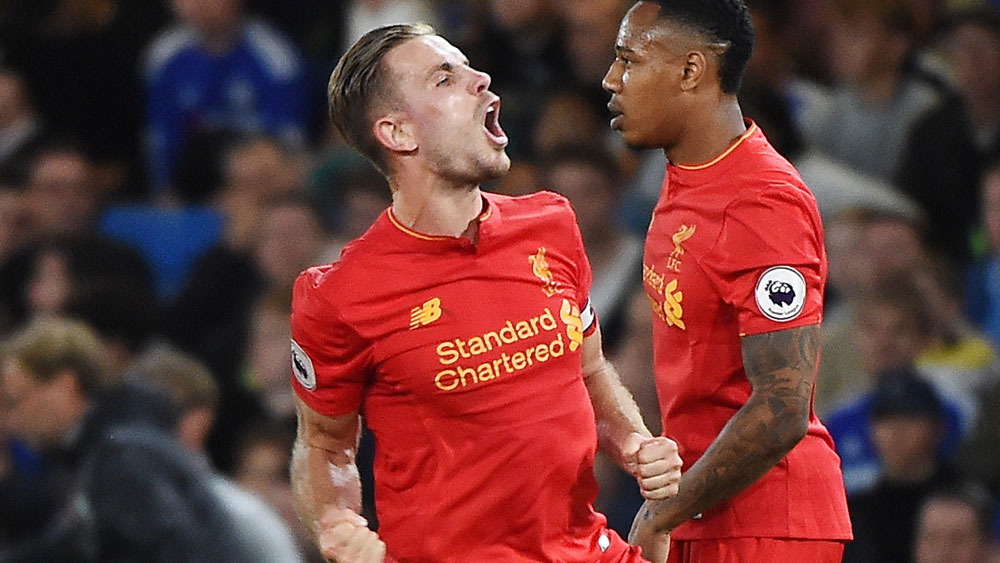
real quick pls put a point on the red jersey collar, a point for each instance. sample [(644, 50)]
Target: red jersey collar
[(413, 238), (751, 129), (696, 174)]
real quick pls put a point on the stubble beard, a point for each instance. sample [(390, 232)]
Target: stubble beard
[(474, 170)]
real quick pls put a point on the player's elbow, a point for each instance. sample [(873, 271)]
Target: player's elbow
[(792, 427)]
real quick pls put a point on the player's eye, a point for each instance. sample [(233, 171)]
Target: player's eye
[(444, 80)]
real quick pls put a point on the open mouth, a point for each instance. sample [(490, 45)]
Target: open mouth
[(492, 125)]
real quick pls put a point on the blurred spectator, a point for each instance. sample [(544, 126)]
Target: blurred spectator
[(568, 117), (523, 51), (268, 356), (907, 426), (46, 278), (363, 16), (50, 374), (256, 171), (960, 357), (351, 195), (868, 251), (219, 70), (196, 397), (592, 31), (212, 316), (21, 129), (771, 67), (864, 122), (590, 179), (521, 179), (950, 147), (123, 313), (871, 250), (982, 300), (15, 223), (836, 186), (60, 193), (80, 59), (890, 331), (954, 525), (979, 455), (137, 495)]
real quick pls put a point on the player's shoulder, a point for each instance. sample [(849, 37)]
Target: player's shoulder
[(769, 178), (542, 205), (166, 47), (331, 283)]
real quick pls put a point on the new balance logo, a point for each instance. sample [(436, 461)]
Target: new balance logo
[(425, 314)]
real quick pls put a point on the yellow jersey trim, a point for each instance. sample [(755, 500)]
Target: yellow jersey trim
[(406, 230), (743, 137)]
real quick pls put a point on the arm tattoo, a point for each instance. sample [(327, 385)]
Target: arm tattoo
[(781, 368)]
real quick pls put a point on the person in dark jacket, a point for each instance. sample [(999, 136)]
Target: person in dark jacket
[(136, 494)]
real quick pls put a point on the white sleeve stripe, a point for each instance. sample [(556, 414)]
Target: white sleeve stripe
[(587, 316)]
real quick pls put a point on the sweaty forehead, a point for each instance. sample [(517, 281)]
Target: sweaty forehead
[(640, 26), (643, 29), (421, 55)]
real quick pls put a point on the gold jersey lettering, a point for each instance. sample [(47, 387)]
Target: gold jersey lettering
[(672, 305), (570, 314)]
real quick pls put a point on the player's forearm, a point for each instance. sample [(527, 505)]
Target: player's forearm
[(323, 480), (754, 441), (780, 367), (615, 410)]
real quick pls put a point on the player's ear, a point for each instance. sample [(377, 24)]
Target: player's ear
[(694, 69), (395, 134)]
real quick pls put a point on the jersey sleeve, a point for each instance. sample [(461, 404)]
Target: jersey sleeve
[(330, 360), (769, 263), (584, 278)]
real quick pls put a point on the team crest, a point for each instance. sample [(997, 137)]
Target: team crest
[(540, 267), (683, 233), (781, 293), (302, 367)]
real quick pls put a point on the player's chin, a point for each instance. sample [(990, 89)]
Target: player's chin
[(498, 166), (635, 140)]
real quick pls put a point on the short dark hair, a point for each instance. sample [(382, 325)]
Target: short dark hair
[(986, 17), (971, 494), (720, 21), (358, 85)]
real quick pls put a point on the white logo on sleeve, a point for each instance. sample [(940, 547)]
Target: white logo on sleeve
[(302, 367), (781, 293)]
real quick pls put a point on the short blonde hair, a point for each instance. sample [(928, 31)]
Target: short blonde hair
[(359, 85), (46, 347)]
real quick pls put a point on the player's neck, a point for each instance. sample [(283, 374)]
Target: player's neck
[(437, 208), (709, 133)]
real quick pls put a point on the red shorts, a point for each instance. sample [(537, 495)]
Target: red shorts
[(756, 550)]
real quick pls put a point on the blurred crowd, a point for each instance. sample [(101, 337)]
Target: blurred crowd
[(167, 169)]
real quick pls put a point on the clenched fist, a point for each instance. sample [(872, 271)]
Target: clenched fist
[(655, 464), (344, 537)]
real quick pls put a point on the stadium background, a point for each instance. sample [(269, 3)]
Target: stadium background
[(167, 168)]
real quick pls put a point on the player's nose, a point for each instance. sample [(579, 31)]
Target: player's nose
[(480, 81)]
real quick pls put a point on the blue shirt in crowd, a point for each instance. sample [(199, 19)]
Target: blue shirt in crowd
[(258, 85)]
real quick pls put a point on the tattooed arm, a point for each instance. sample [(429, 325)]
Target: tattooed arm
[(781, 367)]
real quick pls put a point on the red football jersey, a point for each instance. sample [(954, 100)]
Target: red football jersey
[(735, 247), (465, 362)]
